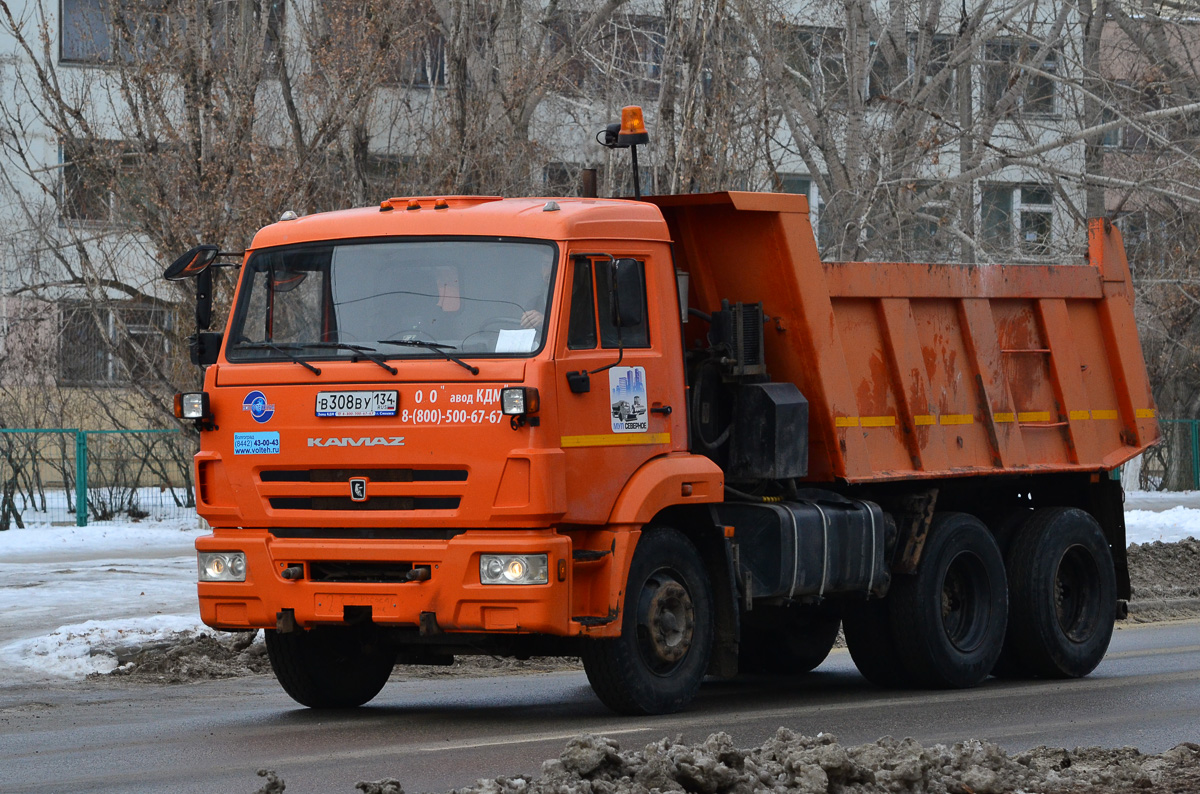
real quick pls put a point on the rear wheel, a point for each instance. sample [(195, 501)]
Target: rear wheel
[(1064, 595), (787, 640), (330, 667), (948, 619), (658, 662)]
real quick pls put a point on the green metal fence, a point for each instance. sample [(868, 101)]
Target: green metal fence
[(67, 475)]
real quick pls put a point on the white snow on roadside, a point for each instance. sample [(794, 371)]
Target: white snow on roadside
[(92, 647), (1169, 526), (70, 596), (114, 538), (139, 578)]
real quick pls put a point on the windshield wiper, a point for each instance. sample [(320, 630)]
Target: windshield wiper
[(366, 352), (285, 349), (435, 347)]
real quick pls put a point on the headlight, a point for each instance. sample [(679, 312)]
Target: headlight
[(221, 566), (518, 400), (514, 569), (193, 405)]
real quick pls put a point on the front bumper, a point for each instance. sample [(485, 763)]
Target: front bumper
[(452, 593)]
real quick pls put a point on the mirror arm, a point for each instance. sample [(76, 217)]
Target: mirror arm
[(204, 289)]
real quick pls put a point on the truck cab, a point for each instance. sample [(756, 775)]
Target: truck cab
[(411, 422)]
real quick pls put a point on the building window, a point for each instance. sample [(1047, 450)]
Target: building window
[(425, 65), (1008, 62), (110, 345), (562, 179), (932, 211), (107, 31), (818, 55), (235, 21), (401, 46), (1017, 218), (934, 69), (805, 186), (389, 175), (625, 54), (96, 177)]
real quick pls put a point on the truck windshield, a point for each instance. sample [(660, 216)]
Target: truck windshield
[(403, 299)]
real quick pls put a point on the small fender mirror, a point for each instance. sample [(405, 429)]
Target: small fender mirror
[(287, 280), (193, 263)]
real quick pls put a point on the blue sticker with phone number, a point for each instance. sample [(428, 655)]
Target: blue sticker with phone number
[(255, 443)]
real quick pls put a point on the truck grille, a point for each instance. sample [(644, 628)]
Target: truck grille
[(374, 475), (365, 533), (374, 503), (293, 489)]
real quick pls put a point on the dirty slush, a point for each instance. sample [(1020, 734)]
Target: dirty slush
[(1166, 586)]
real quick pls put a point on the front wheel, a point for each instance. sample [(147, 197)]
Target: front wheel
[(1064, 596), (330, 668), (658, 662)]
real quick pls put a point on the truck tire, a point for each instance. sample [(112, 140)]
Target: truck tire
[(787, 640), (658, 662), (330, 668), (868, 629), (1063, 593), (948, 618)]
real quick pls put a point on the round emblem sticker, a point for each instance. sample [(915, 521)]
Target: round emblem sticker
[(256, 403)]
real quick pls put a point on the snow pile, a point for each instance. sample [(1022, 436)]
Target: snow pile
[(100, 646), (1177, 523), (205, 655), (789, 763), (1165, 579)]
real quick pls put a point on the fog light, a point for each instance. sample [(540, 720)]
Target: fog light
[(514, 569), (221, 566), (518, 400), (193, 405)]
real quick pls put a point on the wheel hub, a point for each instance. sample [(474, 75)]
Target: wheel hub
[(669, 617), (964, 608), (1076, 601)]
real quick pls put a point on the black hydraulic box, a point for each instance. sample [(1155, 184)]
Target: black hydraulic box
[(770, 432)]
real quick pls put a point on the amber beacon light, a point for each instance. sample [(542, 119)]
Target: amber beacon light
[(629, 134), (633, 127)]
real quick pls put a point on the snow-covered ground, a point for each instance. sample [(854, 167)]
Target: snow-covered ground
[(71, 596)]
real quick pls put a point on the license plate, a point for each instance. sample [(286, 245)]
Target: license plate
[(357, 403)]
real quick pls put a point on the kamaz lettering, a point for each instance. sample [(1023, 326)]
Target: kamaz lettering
[(362, 441)]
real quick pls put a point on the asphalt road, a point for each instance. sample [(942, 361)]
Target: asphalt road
[(437, 734)]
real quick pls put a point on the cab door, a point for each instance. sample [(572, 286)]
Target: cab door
[(614, 384)]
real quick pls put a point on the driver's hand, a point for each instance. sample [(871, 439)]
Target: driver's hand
[(531, 319)]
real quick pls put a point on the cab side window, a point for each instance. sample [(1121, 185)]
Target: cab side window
[(592, 315), (581, 333)]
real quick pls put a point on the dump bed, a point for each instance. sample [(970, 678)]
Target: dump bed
[(930, 370)]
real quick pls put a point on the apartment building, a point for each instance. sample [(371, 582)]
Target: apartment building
[(133, 129)]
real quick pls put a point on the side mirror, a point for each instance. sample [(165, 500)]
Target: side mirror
[(193, 263), (204, 348), (627, 293)]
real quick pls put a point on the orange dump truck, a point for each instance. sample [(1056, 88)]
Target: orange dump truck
[(661, 435)]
